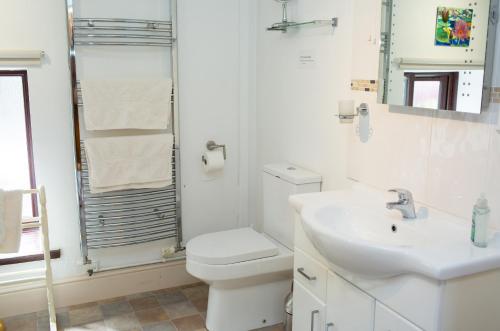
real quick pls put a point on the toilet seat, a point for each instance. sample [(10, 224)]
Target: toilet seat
[(269, 257), (228, 247)]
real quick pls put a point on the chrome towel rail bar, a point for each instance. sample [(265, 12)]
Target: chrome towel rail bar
[(154, 226), (124, 210), (119, 20), (116, 224), (116, 43), (85, 181), (106, 204), (86, 177), (128, 236), (114, 35), (119, 28), (133, 194), (122, 32), (127, 217), (134, 242)]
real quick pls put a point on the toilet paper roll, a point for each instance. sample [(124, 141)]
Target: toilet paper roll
[(346, 108), (213, 161)]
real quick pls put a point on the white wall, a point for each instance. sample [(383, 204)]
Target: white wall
[(41, 25), (215, 103), (295, 104), (214, 76)]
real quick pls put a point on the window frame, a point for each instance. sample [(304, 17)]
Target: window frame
[(37, 256), (448, 90), (23, 74)]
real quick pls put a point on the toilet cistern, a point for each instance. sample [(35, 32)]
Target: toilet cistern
[(405, 203)]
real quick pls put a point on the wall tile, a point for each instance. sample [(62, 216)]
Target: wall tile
[(396, 154), (366, 161), (446, 159), (458, 161), (407, 145), (493, 175)]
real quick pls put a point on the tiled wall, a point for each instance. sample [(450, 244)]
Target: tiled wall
[(366, 85), (495, 94), (446, 159)]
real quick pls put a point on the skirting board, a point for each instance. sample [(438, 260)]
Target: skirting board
[(106, 285)]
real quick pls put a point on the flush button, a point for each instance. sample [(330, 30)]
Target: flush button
[(291, 168)]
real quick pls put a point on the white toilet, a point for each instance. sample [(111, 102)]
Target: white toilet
[(250, 273)]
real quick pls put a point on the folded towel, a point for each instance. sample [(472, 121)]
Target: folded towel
[(11, 210), (130, 162), (112, 105)]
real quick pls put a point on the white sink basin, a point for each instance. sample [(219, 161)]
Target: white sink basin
[(353, 230)]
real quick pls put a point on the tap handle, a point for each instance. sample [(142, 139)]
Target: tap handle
[(402, 194)]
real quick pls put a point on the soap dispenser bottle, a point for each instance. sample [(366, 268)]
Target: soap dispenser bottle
[(480, 219)]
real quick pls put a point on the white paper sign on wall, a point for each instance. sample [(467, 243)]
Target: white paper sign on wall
[(307, 59)]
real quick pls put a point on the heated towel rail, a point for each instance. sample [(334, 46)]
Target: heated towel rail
[(122, 32), (128, 217)]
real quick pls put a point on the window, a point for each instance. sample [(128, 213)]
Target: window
[(436, 90), (17, 167)]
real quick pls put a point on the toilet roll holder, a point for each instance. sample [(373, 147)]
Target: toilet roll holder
[(212, 145), (362, 110)]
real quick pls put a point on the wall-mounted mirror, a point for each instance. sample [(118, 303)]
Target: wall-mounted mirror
[(437, 54)]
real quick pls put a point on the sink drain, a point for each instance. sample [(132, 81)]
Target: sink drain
[(394, 228)]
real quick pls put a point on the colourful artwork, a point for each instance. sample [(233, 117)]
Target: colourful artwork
[(453, 27)]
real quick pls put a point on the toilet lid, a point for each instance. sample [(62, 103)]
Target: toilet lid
[(229, 247)]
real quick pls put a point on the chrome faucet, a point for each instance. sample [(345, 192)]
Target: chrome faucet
[(405, 203)]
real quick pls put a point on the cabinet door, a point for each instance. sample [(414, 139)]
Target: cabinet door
[(308, 311), (348, 308), (388, 320)]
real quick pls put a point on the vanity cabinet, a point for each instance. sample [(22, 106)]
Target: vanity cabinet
[(325, 301), (431, 285), (388, 320), (355, 316), (309, 311)]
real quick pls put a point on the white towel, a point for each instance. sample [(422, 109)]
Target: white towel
[(113, 105), (11, 210), (130, 162)]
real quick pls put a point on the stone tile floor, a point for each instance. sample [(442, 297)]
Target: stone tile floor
[(177, 309)]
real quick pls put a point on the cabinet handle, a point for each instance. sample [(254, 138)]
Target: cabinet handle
[(306, 276), (329, 325), (314, 312)]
